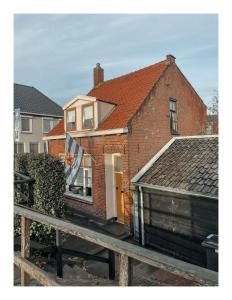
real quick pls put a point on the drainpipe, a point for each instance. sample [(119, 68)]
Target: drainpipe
[(141, 215)]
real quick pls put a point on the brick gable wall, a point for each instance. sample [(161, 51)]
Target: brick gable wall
[(150, 127)]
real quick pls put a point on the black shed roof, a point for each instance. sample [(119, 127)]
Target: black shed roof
[(31, 100), (188, 164)]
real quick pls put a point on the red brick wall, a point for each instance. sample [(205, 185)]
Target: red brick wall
[(97, 147), (150, 128)]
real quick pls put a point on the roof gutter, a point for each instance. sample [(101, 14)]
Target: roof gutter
[(39, 114), (173, 190), (89, 134)]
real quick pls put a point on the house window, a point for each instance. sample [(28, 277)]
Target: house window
[(82, 186), (71, 119), (26, 125), (34, 148), (87, 116), (48, 124), (18, 148), (173, 116)]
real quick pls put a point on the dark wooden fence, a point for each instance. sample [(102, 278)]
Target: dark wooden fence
[(176, 224)]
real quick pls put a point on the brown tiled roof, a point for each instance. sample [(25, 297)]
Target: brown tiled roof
[(128, 92), (58, 129), (189, 164)]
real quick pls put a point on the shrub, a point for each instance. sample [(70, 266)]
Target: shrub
[(49, 187)]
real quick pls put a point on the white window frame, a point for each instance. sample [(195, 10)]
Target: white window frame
[(84, 198), (30, 124), (50, 119)]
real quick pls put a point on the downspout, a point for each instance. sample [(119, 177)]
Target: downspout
[(141, 215)]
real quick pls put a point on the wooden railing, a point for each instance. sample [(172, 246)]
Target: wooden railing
[(126, 252)]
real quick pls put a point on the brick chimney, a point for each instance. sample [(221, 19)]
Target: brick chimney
[(170, 58), (98, 75)]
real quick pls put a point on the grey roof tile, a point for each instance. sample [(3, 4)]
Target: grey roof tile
[(31, 100), (189, 164)]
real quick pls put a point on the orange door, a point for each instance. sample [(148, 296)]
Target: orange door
[(119, 197)]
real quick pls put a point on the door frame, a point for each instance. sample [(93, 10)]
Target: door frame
[(111, 204), (114, 184)]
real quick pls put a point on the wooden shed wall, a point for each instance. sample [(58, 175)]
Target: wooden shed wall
[(177, 224)]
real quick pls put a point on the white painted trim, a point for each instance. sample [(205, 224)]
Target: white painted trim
[(55, 137), (196, 136), (80, 97), (155, 158), (173, 190), (89, 133), (80, 198)]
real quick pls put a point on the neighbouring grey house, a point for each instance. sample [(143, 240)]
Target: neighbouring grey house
[(38, 114), (175, 198)]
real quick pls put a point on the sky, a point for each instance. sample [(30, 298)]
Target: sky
[(56, 53)]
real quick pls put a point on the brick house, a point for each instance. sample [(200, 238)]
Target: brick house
[(121, 123)]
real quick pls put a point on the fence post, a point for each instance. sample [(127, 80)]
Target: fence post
[(30, 193), (59, 263), (125, 270), (111, 265), (25, 247)]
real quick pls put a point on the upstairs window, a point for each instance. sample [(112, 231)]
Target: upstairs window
[(173, 116), (26, 125), (87, 116), (48, 124), (71, 119)]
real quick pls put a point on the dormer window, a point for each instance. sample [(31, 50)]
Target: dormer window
[(71, 120), (87, 116)]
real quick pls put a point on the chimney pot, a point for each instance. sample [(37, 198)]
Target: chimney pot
[(170, 58), (98, 75)]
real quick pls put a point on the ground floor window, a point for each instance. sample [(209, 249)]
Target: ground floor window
[(19, 148), (33, 148), (82, 186)]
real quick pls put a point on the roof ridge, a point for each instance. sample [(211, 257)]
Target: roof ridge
[(127, 74), (48, 97), (23, 85)]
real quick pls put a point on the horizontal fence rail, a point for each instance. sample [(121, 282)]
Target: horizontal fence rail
[(38, 274), (126, 250)]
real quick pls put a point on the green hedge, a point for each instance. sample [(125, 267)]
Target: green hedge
[(49, 187)]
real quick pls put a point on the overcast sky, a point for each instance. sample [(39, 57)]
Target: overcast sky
[(56, 53)]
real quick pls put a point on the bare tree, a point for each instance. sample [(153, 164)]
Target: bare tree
[(213, 105)]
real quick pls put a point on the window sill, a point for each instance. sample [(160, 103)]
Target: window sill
[(26, 131), (175, 133), (85, 199)]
